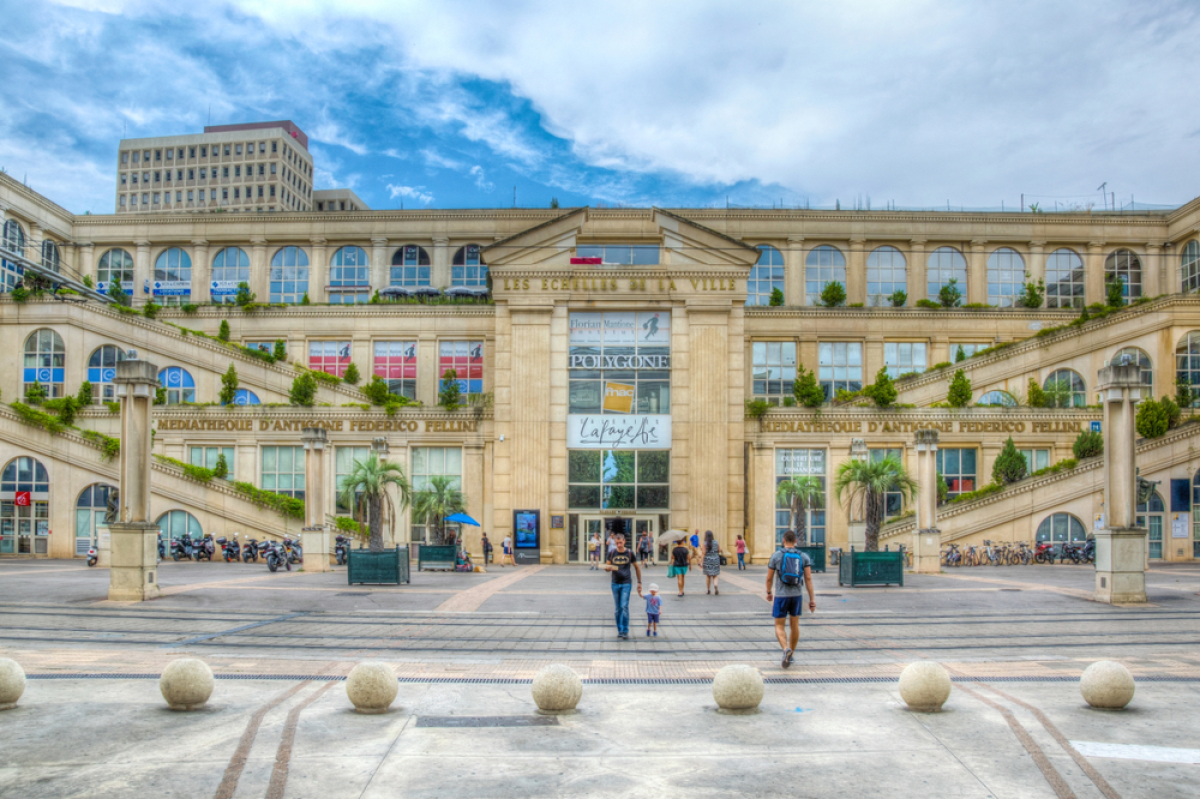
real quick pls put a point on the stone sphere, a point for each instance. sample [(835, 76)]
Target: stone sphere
[(924, 686), (186, 684), (12, 683), (372, 687), (557, 689), (1107, 684), (738, 689)]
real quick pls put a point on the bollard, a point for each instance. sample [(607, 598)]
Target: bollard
[(1107, 684), (186, 684), (12, 683), (557, 689), (738, 689), (372, 687), (924, 686)]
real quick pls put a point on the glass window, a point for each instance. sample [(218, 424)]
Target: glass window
[(619, 479), (620, 254), (1138, 356), (174, 523), (244, 396), (887, 273), (344, 459), (824, 265), (90, 510), (45, 359), (116, 266), (1005, 277), (774, 370), (765, 276), (999, 398), (1058, 528), (289, 275), (1064, 279), (1187, 364), (946, 264), (957, 467), (172, 277), (893, 501), (230, 267), (411, 267), (1065, 389), (50, 256), (968, 349), (467, 269), (206, 457), (430, 462), (1035, 458), (20, 523), (839, 366), (102, 368), (396, 364), (792, 462), (14, 241), (1125, 266), (349, 276), (619, 362), (466, 359), (330, 357), (902, 357), (179, 385), (1190, 263), (283, 470)]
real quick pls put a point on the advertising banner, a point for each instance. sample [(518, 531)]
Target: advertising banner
[(173, 288), (636, 431), (126, 286), (222, 288), (620, 329), (586, 329)]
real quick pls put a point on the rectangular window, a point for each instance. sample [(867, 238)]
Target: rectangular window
[(273, 169), (135, 179), (237, 171), (466, 359), (840, 366), (902, 357), (191, 174), (191, 152), (272, 191), (283, 470), (957, 467), (344, 460), (145, 199), (967, 349), (262, 146), (125, 158), (226, 149), (170, 155), (133, 199), (203, 174), (158, 155), (179, 174), (181, 152), (274, 149), (331, 357), (893, 501), (1035, 458), (204, 152), (122, 199), (206, 457), (239, 149), (189, 196), (800, 463), (224, 194), (260, 192), (124, 178), (619, 362), (237, 193), (774, 370), (396, 363), (157, 177), (178, 196), (224, 171), (262, 169), (619, 479), (428, 463)]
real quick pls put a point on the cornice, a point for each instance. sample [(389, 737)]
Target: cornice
[(815, 312), (341, 311), (853, 414), (282, 412)]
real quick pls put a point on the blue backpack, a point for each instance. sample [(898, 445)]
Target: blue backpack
[(791, 570)]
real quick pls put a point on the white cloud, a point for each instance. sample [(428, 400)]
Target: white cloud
[(331, 133), (480, 176), (435, 159), (410, 193)]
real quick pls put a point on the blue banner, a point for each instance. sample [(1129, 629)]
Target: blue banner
[(104, 375), (44, 375)]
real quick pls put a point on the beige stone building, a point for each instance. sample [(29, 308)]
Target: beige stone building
[(607, 370)]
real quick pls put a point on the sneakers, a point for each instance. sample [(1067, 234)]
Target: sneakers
[(787, 658), (656, 633), (647, 633)]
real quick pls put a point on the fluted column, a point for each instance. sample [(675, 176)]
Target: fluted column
[(141, 273), (439, 277), (1153, 274), (201, 272), (1036, 267), (1093, 274), (260, 284), (380, 268), (793, 272), (86, 262), (856, 271), (976, 288), (928, 539), (917, 272), (318, 272)]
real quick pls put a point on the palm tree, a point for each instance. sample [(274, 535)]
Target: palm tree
[(800, 493), (871, 480), (436, 501), (366, 491)]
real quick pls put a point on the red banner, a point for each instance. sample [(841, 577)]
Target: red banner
[(23, 498)]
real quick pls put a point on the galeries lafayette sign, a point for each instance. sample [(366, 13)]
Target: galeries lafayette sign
[(618, 431)]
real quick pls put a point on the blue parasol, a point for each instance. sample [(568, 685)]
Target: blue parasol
[(462, 518)]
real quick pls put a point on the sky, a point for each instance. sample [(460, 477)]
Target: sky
[(459, 104)]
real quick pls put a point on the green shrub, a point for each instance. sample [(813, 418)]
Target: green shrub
[(941, 365), (351, 376), (223, 331), (1114, 292), (449, 395), (189, 308), (221, 469), (960, 354), (833, 295), (244, 296), (279, 353), (150, 310), (113, 407), (35, 393), (85, 394), (110, 447), (304, 300), (806, 389), (1010, 465), (36, 418), (757, 408), (776, 297), (924, 303), (1034, 294), (960, 390), (64, 407), (160, 396), (789, 402), (898, 298), (229, 386), (1036, 396), (949, 295), (883, 390), (20, 294), (1088, 445), (304, 390), (286, 506)]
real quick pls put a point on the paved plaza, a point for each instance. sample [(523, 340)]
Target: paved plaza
[(92, 722)]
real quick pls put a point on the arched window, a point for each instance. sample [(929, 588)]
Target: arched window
[(13, 240), (946, 264), (887, 273), (289, 275), (998, 398), (349, 276), (24, 507), (1187, 366), (1138, 356), (1150, 517), (244, 396), (1191, 267), (102, 368), (14, 237), (174, 523), (468, 269), (230, 267), (116, 266), (51, 259), (45, 358), (1005, 277), (172, 277), (765, 276), (1065, 389), (89, 515), (824, 265), (1064, 279), (1125, 266), (410, 267), (179, 385), (1059, 528)]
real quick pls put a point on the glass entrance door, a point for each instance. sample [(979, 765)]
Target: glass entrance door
[(632, 527), (589, 527)]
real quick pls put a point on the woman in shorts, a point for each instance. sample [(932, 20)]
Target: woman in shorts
[(681, 555)]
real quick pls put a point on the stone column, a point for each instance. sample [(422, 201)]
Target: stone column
[(1093, 273), (380, 268), (928, 538), (260, 283), (976, 288), (793, 272), (133, 576), (1120, 547), (1036, 267), (141, 273), (86, 263), (761, 501), (314, 536), (856, 521), (36, 235), (472, 489), (383, 451), (856, 271), (530, 414), (439, 275), (1153, 274), (201, 272), (318, 272), (917, 274)]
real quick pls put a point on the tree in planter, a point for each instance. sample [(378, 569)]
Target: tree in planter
[(1088, 445), (35, 393), (435, 502), (1037, 397), (366, 491), (1114, 292), (960, 354), (776, 298), (1034, 294), (898, 298), (223, 330), (833, 295), (870, 481), (304, 300), (800, 493), (85, 394), (1184, 395), (806, 389), (118, 294), (949, 295), (960, 390), (279, 352), (304, 390), (229, 386), (1153, 420), (1010, 465), (351, 376), (244, 296), (883, 391), (449, 395), (221, 468)]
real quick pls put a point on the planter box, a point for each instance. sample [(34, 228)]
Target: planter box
[(387, 567), (817, 553), (871, 568), (436, 557)]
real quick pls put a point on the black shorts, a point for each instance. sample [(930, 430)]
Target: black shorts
[(787, 606)]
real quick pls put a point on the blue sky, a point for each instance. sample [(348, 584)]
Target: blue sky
[(693, 103)]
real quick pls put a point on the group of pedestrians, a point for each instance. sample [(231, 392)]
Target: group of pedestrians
[(506, 558)]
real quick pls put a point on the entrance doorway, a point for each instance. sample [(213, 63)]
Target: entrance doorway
[(1150, 516), (632, 527)]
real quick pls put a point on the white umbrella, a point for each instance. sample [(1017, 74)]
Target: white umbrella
[(672, 535)]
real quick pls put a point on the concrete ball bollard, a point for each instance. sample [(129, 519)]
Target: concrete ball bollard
[(12, 683), (372, 687), (738, 689), (557, 689), (186, 684), (1107, 684), (924, 686)]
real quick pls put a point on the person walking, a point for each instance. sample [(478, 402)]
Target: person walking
[(621, 562), (740, 546), (594, 551), (712, 563), (507, 557), (644, 547), (612, 545), (487, 550), (680, 557), (653, 609), (789, 572)]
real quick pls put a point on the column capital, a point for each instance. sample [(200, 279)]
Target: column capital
[(858, 449), (379, 241), (134, 372), (199, 242), (1116, 378), (1036, 244), (440, 241), (978, 244), (858, 239), (1154, 246), (918, 242), (314, 437), (83, 244), (317, 241), (795, 239), (926, 440), (258, 242), (142, 244), (1095, 246)]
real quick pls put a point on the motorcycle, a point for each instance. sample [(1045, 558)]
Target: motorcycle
[(204, 549), (294, 553), (1045, 553), (250, 551), (182, 547), (277, 556), (1089, 551), (92, 556), (341, 549), (162, 548), (230, 549), (1072, 551)]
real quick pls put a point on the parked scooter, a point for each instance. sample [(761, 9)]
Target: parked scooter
[(341, 549), (182, 547), (1045, 553), (292, 548), (1089, 551), (250, 551), (204, 549), (1072, 551), (230, 549), (277, 556), (92, 556), (162, 548)]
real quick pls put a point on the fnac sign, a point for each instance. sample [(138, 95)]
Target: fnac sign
[(618, 397)]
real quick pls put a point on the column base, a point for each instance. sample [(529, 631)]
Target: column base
[(315, 543), (1121, 565), (133, 573), (927, 552)]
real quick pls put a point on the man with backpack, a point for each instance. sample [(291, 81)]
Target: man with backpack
[(789, 572)]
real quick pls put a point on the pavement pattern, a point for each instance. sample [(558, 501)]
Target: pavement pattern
[(465, 646)]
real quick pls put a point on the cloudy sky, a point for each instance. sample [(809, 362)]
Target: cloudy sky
[(690, 103)]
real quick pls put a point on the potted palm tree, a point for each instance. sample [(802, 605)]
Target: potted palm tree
[(438, 499), (802, 493), (869, 481), (366, 491)]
